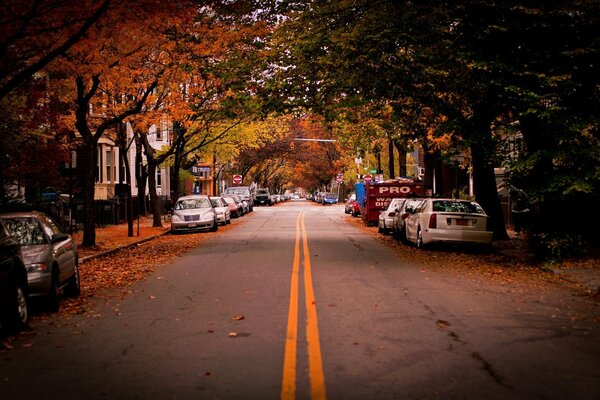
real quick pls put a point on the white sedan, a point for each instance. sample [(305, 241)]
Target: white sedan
[(448, 220), (386, 217)]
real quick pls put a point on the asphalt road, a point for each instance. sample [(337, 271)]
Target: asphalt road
[(297, 303)]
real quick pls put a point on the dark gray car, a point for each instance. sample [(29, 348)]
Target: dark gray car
[(13, 284)]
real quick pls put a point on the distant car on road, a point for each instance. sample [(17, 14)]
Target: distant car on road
[(222, 210), (234, 208), (448, 220), (49, 254), (348, 205), (244, 192), (402, 213), (386, 217), (329, 198), (194, 212), (14, 311), (263, 197)]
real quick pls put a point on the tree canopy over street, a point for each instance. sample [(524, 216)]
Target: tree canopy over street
[(509, 84)]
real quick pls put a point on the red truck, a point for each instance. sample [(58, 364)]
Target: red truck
[(375, 197)]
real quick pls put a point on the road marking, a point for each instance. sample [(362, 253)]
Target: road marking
[(315, 360), (288, 386)]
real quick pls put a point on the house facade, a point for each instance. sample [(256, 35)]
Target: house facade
[(110, 169)]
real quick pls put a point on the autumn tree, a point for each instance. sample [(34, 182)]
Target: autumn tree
[(34, 33), (113, 76)]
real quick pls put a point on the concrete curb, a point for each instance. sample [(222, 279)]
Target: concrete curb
[(127, 246)]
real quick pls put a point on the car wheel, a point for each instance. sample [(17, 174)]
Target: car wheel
[(215, 226), (420, 243), (17, 315), (52, 298), (228, 220), (73, 288)]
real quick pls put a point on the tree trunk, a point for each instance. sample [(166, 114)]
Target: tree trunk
[(126, 177), (89, 210), (391, 158), (484, 178), (401, 158), (141, 176), (154, 203), (429, 165)]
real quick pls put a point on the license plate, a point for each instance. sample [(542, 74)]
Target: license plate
[(192, 225), (462, 222)]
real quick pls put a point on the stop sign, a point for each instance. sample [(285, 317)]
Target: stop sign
[(237, 179), (368, 178), (339, 178)]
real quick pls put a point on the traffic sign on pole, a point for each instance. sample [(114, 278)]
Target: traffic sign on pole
[(237, 179), (368, 178), (339, 178)]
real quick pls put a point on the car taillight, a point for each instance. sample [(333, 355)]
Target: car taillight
[(392, 214), (405, 215), (433, 221)]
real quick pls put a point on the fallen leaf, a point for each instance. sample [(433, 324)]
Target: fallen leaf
[(238, 317), (233, 334)]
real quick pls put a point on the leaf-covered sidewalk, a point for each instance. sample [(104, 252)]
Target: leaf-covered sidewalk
[(115, 236)]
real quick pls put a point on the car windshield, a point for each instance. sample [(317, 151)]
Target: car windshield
[(457, 206), (229, 200), (236, 191), (26, 230), (215, 203), (187, 204)]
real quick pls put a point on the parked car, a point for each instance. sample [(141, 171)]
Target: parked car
[(234, 208), (49, 254), (194, 212), (386, 217), (402, 212), (447, 220), (241, 204), (348, 205), (222, 210), (14, 312), (263, 197), (329, 198), (244, 192)]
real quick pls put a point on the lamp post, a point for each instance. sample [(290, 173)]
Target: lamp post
[(70, 165)]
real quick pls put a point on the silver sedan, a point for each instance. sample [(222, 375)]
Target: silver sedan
[(448, 220), (49, 254)]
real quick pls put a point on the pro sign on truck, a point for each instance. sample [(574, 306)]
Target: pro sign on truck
[(372, 198)]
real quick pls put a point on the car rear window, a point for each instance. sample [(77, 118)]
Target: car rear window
[(457, 206)]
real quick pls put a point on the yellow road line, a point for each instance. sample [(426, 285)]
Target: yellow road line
[(315, 360), (288, 385)]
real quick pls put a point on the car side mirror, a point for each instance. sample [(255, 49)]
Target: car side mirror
[(59, 237)]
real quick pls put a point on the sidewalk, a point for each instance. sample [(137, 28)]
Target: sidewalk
[(112, 238)]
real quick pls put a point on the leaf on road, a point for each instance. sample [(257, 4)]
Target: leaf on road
[(238, 317)]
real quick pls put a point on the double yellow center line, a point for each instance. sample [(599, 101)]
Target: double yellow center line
[(315, 361)]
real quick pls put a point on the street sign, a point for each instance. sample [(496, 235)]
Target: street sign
[(368, 178), (339, 178), (237, 179)]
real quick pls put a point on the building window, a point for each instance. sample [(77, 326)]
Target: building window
[(99, 169), (158, 177), (159, 134), (108, 161)]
